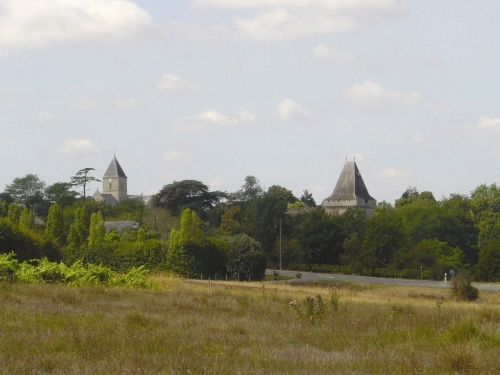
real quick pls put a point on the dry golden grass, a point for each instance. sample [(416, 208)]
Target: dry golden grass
[(193, 327)]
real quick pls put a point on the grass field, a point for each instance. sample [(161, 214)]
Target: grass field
[(191, 327)]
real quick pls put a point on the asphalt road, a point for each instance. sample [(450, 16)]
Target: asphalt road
[(310, 276)]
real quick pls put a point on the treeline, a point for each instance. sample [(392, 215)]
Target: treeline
[(194, 232)]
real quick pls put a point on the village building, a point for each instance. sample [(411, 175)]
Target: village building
[(350, 191), (114, 186)]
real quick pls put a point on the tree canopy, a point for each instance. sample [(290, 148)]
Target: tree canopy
[(187, 194), (27, 191), (82, 178)]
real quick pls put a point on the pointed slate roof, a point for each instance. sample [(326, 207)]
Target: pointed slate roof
[(114, 169), (350, 184)]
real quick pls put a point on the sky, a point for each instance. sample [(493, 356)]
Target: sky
[(283, 90)]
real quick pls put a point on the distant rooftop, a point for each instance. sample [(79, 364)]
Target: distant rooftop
[(114, 169), (350, 184)]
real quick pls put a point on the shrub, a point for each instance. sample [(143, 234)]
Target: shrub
[(462, 289)]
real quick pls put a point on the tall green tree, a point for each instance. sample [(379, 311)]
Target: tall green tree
[(82, 178), (384, 237), (307, 199), (78, 231), (61, 193), (264, 215), (179, 260), (321, 238), (27, 219), (246, 259), (28, 191), (485, 208), (488, 265), (97, 230), (187, 194), (54, 227), (250, 190), (14, 213)]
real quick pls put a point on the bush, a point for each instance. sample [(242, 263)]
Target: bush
[(462, 290)]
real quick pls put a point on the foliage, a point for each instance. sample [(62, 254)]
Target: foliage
[(488, 265), (187, 194), (78, 231), (6, 198), (97, 231), (246, 258), (307, 199), (461, 288), (82, 178), (28, 191), (232, 221), (27, 219), (44, 271), (129, 209), (54, 227), (321, 238), (250, 190), (383, 238), (4, 208), (26, 243), (14, 213), (298, 204), (61, 194), (189, 253)]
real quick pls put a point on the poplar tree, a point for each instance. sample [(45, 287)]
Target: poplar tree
[(27, 218), (54, 228), (14, 213), (97, 230), (178, 258), (78, 230)]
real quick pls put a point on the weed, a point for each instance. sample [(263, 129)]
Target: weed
[(334, 298), (439, 313)]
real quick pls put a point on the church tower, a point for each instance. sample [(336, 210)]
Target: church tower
[(350, 191), (114, 181)]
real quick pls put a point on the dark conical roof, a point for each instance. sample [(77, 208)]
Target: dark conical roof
[(114, 169), (350, 184)]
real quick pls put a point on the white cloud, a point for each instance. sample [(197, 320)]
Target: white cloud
[(211, 120), (173, 155), (483, 126), (274, 20), (288, 109), (77, 146), (45, 116), (172, 84), (370, 93), (82, 104), (488, 123), (323, 52), (38, 24), (393, 173)]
